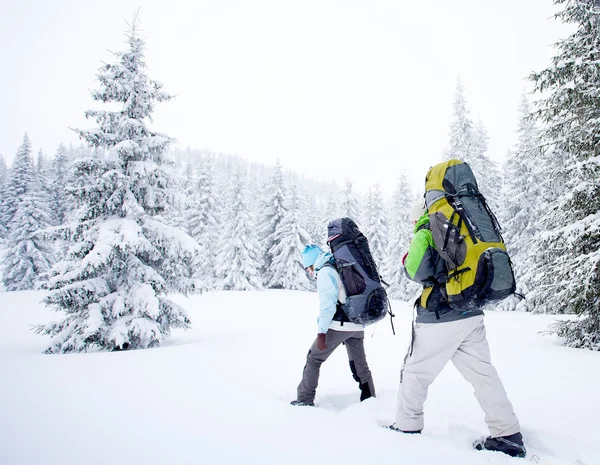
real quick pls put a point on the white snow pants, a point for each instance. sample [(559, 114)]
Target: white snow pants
[(464, 342)]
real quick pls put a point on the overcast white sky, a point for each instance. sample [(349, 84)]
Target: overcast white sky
[(343, 88)]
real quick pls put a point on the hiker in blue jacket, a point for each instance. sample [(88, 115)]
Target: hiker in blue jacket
[(333, 329)]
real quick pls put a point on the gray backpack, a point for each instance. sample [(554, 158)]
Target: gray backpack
[(366, 301)]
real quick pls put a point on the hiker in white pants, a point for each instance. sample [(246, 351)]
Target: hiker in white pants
[(442, 334)]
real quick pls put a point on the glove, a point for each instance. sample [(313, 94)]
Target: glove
[(321, 344)]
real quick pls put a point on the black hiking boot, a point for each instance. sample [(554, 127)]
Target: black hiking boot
[(365, 391), (511, 445), (302, 403), (393, 428)]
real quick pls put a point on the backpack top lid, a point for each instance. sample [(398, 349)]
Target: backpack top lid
[(449, 178), (340, 230), (349, 245)]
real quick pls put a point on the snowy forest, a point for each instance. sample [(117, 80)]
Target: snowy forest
[(115, 226)]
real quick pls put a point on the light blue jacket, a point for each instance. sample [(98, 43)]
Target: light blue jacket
[(328, 290)]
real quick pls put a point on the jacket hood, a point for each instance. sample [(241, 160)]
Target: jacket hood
[(323, 259), (423, 220)]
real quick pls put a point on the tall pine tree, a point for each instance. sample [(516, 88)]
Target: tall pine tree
[(286, 266), (521, 193), (60, 174), (29, 255), (114, 281), (469, 143), (461, 127), (273, 212), (22, 176), (350, 206), (489, 178), (400, 232), (3, 196), (239, 258), (313, 215), (377, 229), (570, 110), (203, 218)]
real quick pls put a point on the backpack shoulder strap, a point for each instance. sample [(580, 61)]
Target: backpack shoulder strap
[(339, 308), (331, 263), (423, 226)]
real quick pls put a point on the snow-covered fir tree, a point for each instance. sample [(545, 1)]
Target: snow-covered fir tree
[(3, 196), (469, 143), (461, 127), (521, 194), (400, 232), (286, 265), (60, 175), (184, 183), (22, 176), (314, 224), (29, 255), (367, 219), (273, 212), (239, 259), (42, 164), (3, 169), (570, 109), (350, 206), (203, 219), (488, 175), (42, 175), (114, 281), (332, 207), (377, 227)]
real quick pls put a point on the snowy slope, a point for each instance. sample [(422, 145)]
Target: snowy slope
[(219, 394)]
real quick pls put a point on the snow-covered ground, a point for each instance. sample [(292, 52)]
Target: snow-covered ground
[(219, 394)]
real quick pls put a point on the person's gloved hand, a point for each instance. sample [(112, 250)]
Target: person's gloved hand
[(404, 258), (321, 344)]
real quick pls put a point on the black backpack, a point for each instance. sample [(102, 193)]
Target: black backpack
[(366, 301)]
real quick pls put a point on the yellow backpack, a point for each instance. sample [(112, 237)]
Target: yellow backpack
[(468, 237)]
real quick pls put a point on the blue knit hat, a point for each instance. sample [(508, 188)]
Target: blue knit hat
[(310, 254)]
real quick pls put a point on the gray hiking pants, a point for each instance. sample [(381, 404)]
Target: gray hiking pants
[(354, 341), (464, 343)]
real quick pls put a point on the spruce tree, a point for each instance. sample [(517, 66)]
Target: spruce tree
[(461, 128), (273, 212), (29, 255), (521, 194), (60, 174), (238, 261), (22, 176), (113, 282), (469, 143), (4, 176), (400, 233), (377, 230), (286, 266), (350, 207), (203, 219), (42, 175), (488, 176), (570, 110), (332, 207), (314, 225), (183, 184)]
